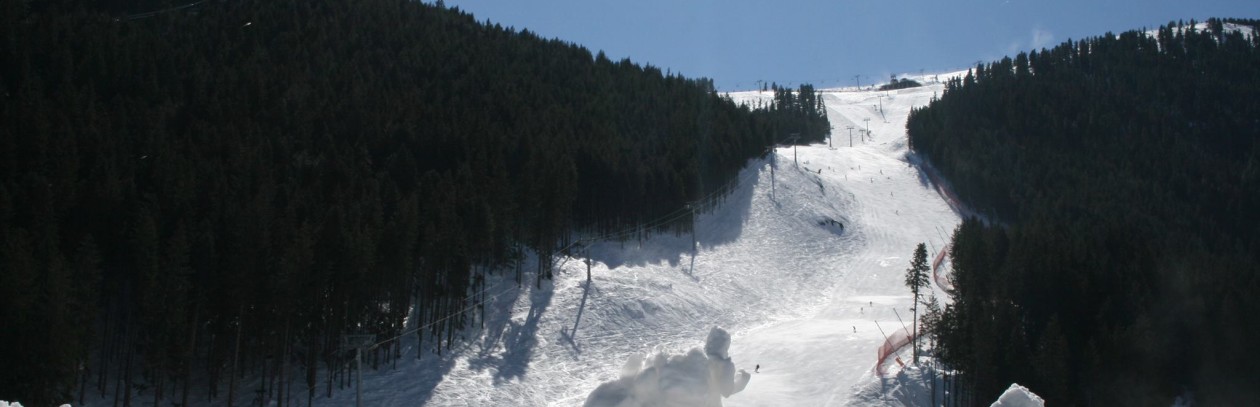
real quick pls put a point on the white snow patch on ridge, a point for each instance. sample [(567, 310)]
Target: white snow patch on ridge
[(1245, 30)]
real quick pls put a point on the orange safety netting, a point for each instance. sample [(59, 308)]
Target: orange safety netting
[(942, 280), (899, 339)]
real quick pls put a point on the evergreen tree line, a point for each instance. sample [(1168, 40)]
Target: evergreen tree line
[(800, 114), (903, 83), (1121, 175), (198, 196)]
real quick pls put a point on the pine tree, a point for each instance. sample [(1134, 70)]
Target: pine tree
[(917, 280), (933, 316)]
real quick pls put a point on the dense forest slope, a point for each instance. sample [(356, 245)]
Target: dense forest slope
[(1121, 179), (186, 194)]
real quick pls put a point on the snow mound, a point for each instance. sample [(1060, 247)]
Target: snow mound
[(696, 378), (17, 404), (1018, 396)]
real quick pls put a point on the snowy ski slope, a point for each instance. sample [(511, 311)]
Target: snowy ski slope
[(799, 295)]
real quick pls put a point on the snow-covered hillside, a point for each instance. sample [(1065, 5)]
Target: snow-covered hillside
[(803, 297)]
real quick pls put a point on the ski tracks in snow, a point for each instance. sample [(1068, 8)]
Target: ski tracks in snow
[(798, 276)]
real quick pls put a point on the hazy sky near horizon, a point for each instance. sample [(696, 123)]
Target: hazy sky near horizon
[(828, 42)]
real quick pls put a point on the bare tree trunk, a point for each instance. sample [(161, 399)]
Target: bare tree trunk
[(265, 390), (519, 249), (117, 389), (345, 376), (419, 343), (934, 382), (118, 379), (236, 356), (127, 372), (157, 388), (311, 363), (284, 366), (109, 339), (331, 373), (915, 325), (83, 376), (189, 354), (213, 368)]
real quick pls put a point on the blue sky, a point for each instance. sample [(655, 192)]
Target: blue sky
[(828, 42)]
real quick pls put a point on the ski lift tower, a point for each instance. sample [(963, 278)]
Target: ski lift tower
[(771, 152), (359, 343)]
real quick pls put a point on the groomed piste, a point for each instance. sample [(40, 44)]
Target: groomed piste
[(802, 266)]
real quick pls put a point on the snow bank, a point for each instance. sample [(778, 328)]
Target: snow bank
[(1018, 396), (696, 378)]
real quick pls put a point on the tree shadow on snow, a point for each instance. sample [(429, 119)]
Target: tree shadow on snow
[(504, 345), (722, 225), (430, 367), (515, 339), (498, 320), (435, 368), (931, 178), (569, 335), (520, 340), (923, 167)]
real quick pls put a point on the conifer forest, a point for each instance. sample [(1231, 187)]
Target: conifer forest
[(1116, 181), (193, 194)]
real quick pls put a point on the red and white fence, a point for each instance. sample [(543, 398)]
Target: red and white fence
[(899, 339), (942, 280)]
